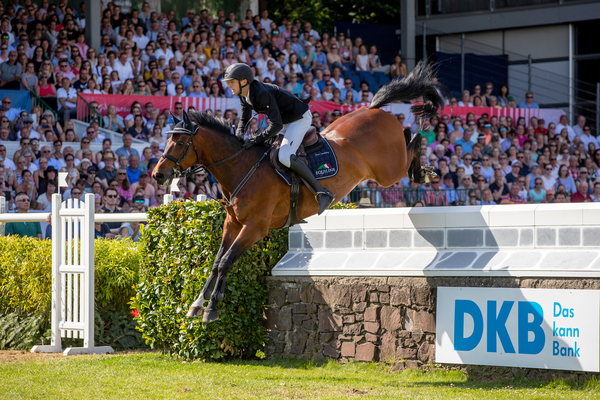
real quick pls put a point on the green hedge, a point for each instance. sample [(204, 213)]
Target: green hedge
[(26, 293), (179, 246)]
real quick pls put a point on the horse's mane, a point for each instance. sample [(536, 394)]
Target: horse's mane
[(206, 119)]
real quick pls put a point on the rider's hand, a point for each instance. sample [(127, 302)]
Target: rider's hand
[(249, 143)]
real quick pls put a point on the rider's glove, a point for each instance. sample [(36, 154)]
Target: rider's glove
[(249, 143)]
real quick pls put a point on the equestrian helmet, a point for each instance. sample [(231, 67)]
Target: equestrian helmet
[(240, 72)]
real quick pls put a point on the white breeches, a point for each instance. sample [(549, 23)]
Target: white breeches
[(293, 135)]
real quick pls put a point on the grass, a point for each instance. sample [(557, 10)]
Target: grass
[(154, 376)]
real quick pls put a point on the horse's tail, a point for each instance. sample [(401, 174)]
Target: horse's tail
[(420, 82)]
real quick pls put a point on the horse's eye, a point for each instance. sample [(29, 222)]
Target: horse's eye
[(180, 143)]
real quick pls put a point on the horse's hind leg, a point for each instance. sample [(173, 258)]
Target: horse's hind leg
[(231, 229), (245, 240)]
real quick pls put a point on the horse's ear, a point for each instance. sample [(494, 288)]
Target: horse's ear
[(175, 119), (187, 121)]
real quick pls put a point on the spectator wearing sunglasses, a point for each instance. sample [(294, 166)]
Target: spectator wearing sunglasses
[(23, 229)]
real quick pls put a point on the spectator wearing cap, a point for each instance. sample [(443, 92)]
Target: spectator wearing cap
[(514, 172), (510, 102), (10, 72), (67, 100), (308, 58), (27, 125)]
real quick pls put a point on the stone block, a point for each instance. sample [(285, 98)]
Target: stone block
[(366, 352), (425, 218), (591, 237), (426, 353), (313, 240), (545, 237), (372, 327), (348, 349), (311, 308), (343, 310), (298, 342), (371, 338), (400, 296), (465, 238), (338, 239), (276, 336), (569, 236), (512, 215), (404, 334), (429, 238), (358, 240), (359, 307), (341, 295), (400, 239), (372, 313), (297, 319), (387, 348), (384, 218), (376, 239), (360, 317), (279, 318), (423, 320), (374, 297), (422, 296), (391, 318), (307, 292), (325, 337), (293, 295), (415, 364), (329, 322), (310, 346), (559, 214), (276, 297), (330, 350), (471, 217), (384, 298), (348, 319), (299, 308), (358, 338), (383, 288), (359, 293), (418, 335), (321, 294), (526, 237), (354, 329), (406, 353), (498, 237), (295, 240), (310, 325)]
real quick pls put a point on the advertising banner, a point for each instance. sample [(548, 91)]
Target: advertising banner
[(533, 328), (549, 115)]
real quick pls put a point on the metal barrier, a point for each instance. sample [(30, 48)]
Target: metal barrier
[(380, 197)]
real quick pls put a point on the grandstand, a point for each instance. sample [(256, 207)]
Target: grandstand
[(520, 126)]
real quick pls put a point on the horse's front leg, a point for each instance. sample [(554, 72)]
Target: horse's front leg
[(247, 237), (231, 229)]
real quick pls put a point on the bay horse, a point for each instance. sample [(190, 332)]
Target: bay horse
[(369, 144)]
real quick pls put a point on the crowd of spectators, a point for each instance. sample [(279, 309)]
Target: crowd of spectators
[(43, 50)]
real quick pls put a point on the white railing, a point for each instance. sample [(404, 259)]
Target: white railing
[(73, 267)]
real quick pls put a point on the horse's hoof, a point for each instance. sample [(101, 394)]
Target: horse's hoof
[(195, 311), (210, 316)]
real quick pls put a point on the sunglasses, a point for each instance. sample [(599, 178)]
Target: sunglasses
[(112, 196), (121, 173)]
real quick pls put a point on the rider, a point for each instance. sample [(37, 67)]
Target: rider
[(285, 112)]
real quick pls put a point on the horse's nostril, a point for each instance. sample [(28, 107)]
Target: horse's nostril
[(159, 176)]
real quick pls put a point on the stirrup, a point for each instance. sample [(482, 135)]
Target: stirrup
[(322, 207)]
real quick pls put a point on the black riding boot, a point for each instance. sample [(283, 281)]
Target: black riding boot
[(324, 197)]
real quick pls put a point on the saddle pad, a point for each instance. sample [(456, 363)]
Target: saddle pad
[(323, 163)]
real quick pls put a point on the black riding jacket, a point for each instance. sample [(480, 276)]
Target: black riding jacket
[(279, 105)]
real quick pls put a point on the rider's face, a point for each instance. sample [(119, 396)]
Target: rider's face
[(234, 86)]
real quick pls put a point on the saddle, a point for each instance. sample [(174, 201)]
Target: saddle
[(312, 142)]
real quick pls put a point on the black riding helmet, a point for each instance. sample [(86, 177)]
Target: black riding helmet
[(240, 72)]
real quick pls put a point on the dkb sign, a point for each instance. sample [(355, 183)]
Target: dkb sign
[(535, 328)]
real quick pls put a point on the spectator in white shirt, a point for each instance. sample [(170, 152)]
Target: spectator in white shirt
[(578, 129), (587, 138), (265, 21), (123, 67), (67, 100), (465, 99), (564, 124), (139, 38), (163, 50)]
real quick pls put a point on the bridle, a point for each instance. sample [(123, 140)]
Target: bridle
[(179, 171)]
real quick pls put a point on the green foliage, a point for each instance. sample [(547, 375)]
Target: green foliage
[(179, 247), (26, 292), (322, 14)]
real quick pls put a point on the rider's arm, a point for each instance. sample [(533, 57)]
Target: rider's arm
[(246, 115), (268, 101)]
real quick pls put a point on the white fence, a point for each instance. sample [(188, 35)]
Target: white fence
[(72, 268)]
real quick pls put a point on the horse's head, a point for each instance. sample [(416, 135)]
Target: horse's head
[(180, 152)]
